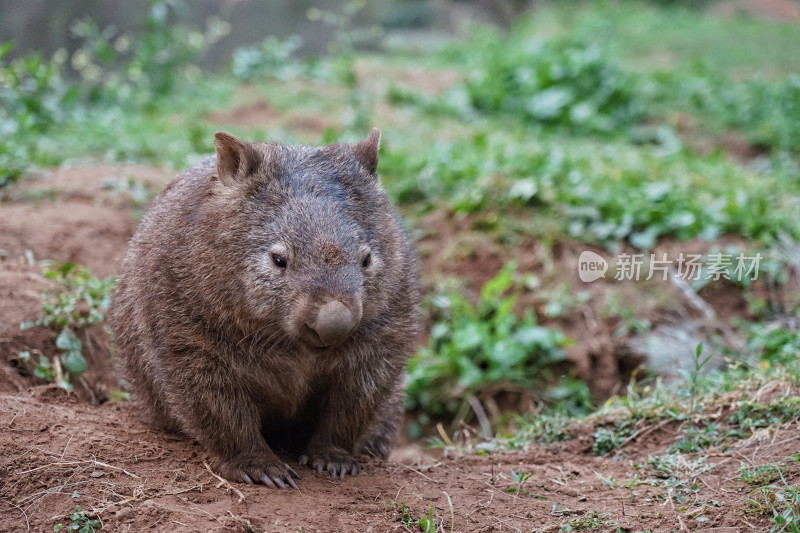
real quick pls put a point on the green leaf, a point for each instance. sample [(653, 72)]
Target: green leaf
[(493, 290), (468, 337), (67, 341), (44, 370), (470, 374), (74, 362), (6, 48), (550, 103), (508, 353), (534, 336)]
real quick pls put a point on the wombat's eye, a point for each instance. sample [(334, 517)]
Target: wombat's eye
[(279, 261), (367, 260)]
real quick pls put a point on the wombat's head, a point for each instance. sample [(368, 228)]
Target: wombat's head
[(315, 232)]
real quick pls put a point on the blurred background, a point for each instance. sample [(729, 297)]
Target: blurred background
[(516, 136), (46, 26)]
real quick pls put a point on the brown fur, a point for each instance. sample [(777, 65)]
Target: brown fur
[(213, 336)]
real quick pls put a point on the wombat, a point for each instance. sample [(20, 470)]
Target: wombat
[(268, 301)]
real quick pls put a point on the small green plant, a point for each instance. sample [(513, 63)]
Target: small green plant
[(480, 349), (592, 521), (762, 474), (776, 345), (44, 369), (762, 109), (608, 481), (80, 522), (405, 515), (674, 470), (608, 439), (76, 301), (427, 524), (34, 96), (520, 477), (692, 376), (693, 439)]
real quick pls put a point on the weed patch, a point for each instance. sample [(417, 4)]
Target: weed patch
[(76, 301), (480, 350)]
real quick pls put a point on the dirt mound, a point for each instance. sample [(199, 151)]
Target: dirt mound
[(85, 215)]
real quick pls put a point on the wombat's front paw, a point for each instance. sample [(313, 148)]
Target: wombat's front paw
[(265, 468), (334, 460)]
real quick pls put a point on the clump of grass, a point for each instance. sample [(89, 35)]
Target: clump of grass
[(594, 521), (608, 439), (405, 514), (694, 439), (762, 474), (426, 524)]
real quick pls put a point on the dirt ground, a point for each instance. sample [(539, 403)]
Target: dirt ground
[(59, 449), (58, 452)]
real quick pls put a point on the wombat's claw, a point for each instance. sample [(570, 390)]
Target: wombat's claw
[(279, 479), (336, 463), (260, 470), (273, 482)]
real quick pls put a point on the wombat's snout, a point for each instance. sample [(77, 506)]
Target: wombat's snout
[(334, 323)]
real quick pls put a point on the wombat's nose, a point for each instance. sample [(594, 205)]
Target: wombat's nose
[(334, 323)]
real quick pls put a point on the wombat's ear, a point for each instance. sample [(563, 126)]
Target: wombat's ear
[(235, 159), (367, 151)]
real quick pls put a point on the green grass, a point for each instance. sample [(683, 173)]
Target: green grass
[(647, 36), (426, 523), (760, 475), (781, 503)]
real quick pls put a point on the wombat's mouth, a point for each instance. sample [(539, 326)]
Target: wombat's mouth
[(312, 338)]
